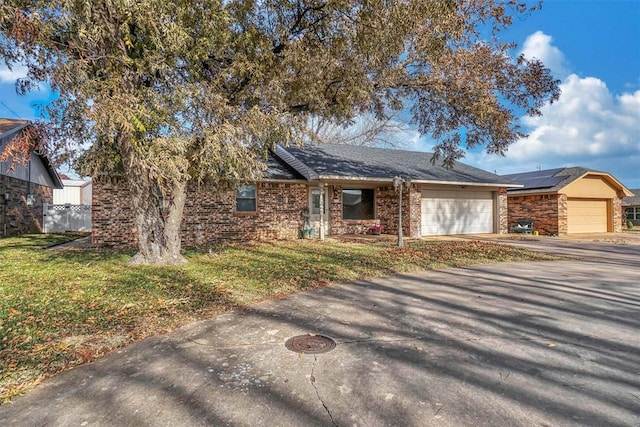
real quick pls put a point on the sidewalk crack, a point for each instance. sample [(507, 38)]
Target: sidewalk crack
[(312, 379)]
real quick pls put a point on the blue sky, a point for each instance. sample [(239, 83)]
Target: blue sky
[(592, 46)]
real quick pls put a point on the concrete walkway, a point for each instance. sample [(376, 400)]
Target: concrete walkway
[(547, 343)]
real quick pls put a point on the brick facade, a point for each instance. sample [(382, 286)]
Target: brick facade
[(548, 211), (338, 226), (209, 217), (618, 215), (16, 217)]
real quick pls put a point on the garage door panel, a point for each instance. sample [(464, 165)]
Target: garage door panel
[(587, 216), (456, 212)]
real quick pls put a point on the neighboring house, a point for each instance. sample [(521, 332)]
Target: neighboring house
[(567, 200), (25, 188), (75, 192), (631, 207), (355, 185)]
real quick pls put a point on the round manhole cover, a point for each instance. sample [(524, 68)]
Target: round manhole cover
[(310, 344)]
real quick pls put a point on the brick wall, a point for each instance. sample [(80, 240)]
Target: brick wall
[(387, 209), (549, 212), (209, 216), (563, 215), (503, 212), (338, 226), (112, 217), (15, 216), (618, 215)]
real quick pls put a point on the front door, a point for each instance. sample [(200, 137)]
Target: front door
[(314, 211)]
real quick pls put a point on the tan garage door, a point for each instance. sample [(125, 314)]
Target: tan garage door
[(587, 216)]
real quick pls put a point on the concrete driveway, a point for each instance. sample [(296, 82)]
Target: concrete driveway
[(549, 343)]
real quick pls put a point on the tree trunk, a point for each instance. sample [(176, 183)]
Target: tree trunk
[(158, 219)]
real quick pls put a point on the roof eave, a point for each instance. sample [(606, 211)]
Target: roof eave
[(415, 181)]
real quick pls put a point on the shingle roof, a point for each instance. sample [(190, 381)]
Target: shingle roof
[(632, 200), (334, 161), (277, 169), (547, 181)]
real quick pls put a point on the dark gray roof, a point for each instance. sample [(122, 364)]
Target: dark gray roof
[(549, 180), (277, 169), (336, 161), (632, 200)]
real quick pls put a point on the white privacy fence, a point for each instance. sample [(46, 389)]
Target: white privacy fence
[(61, 218)]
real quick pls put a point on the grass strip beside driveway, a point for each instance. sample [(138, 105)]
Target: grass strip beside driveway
[(59, 309)]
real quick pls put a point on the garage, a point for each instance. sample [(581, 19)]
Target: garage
[(456, 212), (587, 216), (567, 201)]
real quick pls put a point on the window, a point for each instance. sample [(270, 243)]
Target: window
[(632, 213), (357, 204), (315, 202), (246, 198)]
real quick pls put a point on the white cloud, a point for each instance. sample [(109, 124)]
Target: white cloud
[(18, 71), (538, 46), (588, 126)]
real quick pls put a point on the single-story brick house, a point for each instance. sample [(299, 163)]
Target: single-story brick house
[(567, 200), (355, 184), (25, 188), (631, 207)]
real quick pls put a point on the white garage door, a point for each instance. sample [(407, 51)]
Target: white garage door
[(456, 212), (587, 216)]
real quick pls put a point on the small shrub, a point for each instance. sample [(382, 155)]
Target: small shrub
[(630, 225)]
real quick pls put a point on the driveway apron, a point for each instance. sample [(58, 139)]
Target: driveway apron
[(545, 343)]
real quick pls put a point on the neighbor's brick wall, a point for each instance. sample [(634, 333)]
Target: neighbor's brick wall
[(563, 215), (15, 216), (545, 210), (208, 217), (618, 215)]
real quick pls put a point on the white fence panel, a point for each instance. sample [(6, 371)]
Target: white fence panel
[(61, 218)]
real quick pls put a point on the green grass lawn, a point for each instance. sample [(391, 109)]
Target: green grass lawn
[(63, 308)]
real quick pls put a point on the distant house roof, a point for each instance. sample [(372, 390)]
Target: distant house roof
[(632, 200), (554, 180), (349, 162), (9, 128), (75, 182)]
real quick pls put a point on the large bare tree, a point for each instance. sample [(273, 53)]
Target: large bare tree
[(169, 92)]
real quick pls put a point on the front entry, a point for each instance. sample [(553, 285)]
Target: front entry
[(314, 211)]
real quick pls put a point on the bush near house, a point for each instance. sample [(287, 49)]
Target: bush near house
[(60, 308)]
